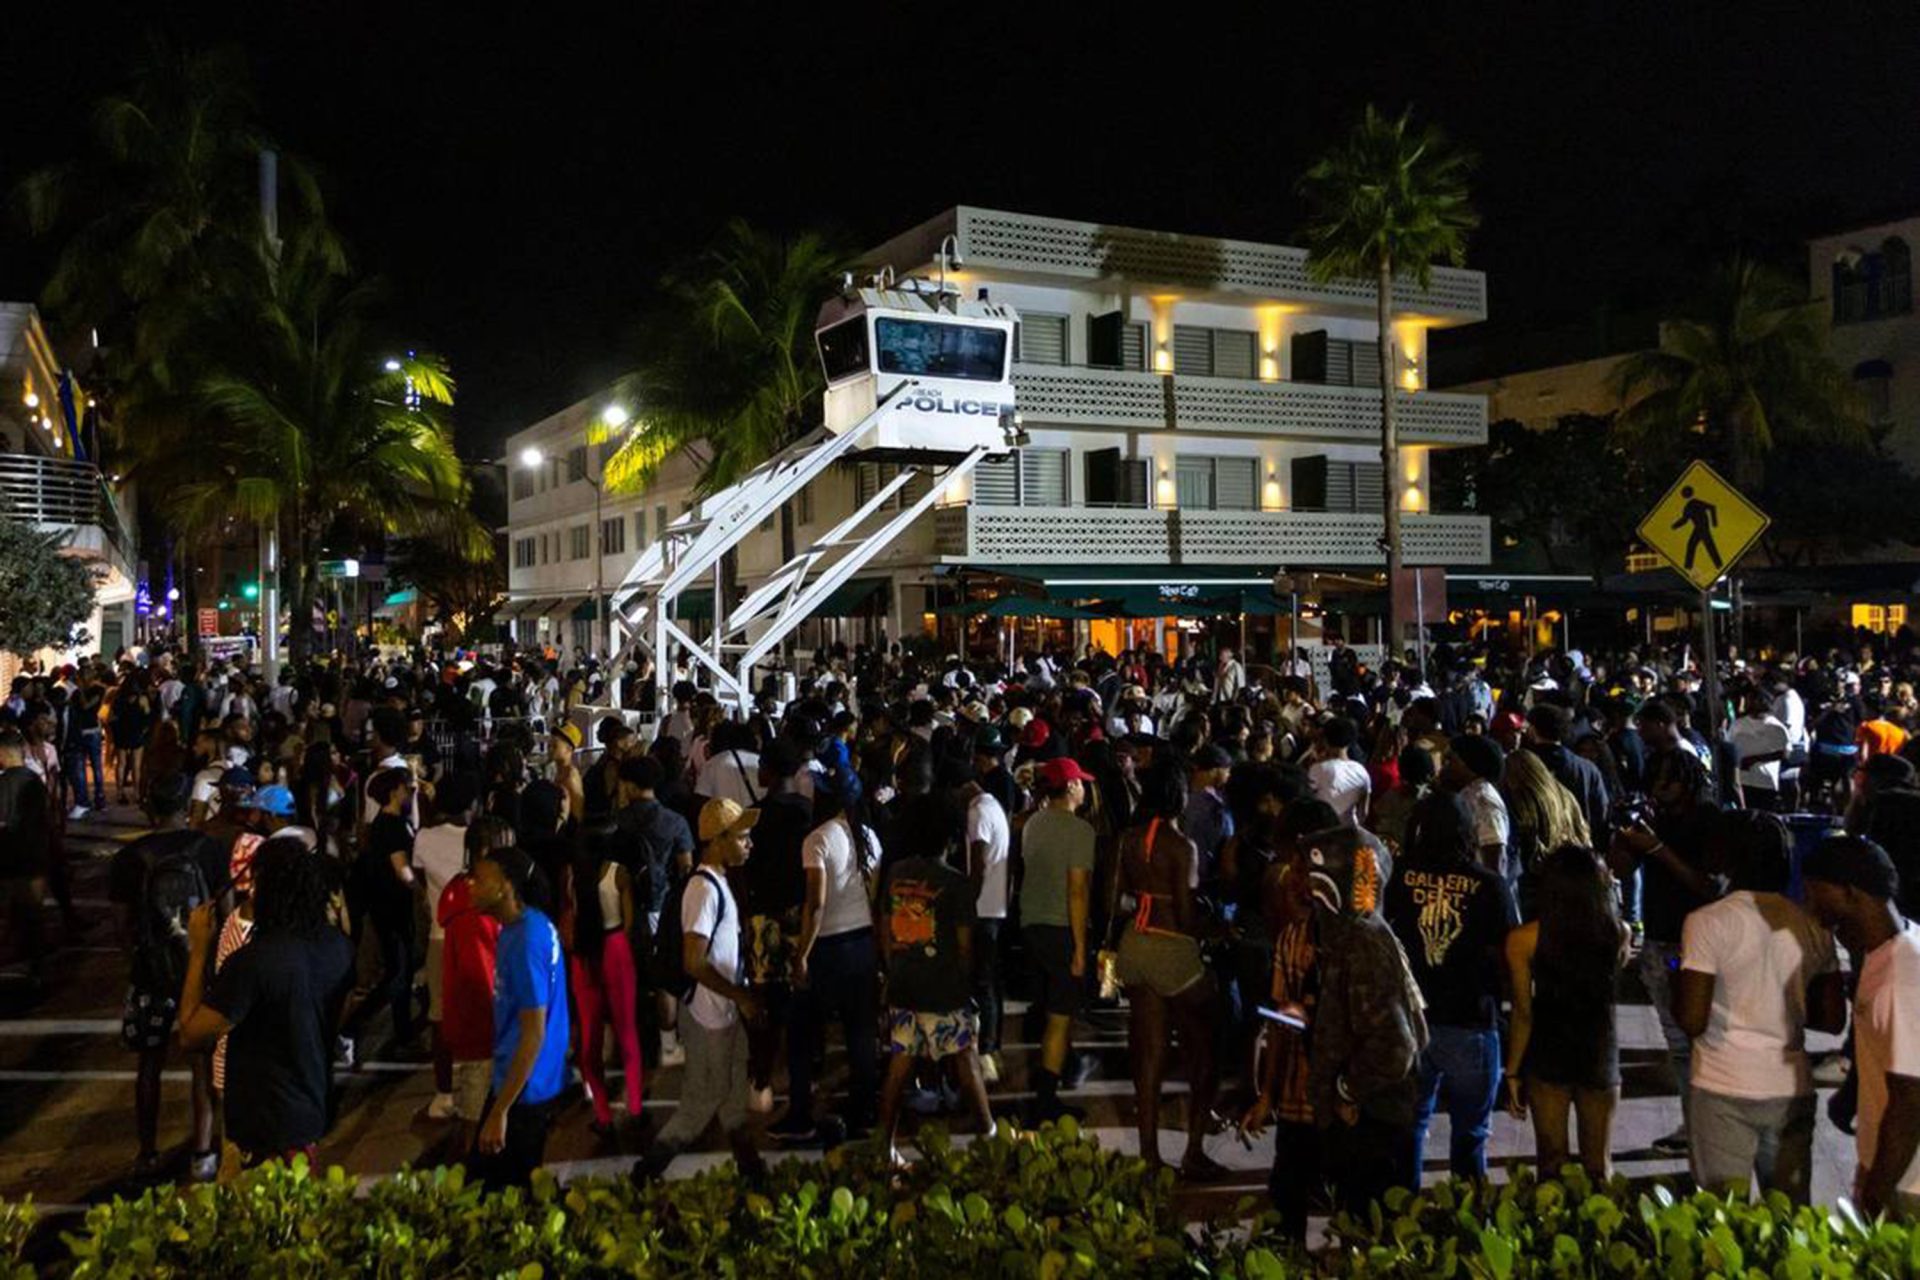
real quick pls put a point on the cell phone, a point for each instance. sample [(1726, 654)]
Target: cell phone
[(1286, 1020)]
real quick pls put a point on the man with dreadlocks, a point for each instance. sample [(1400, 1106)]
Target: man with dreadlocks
[(1368, 1029), (277, 1000)]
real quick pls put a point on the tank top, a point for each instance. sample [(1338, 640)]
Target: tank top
[(609, 891)]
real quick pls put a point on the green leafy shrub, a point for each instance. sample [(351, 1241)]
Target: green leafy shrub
[(1046, 1206), (1571, 1227)]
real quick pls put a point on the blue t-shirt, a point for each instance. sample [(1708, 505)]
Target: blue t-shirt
[(530, 972)]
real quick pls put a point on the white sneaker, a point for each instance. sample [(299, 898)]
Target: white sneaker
[(441, 1108), (672, 1054), (989, 1068), (78, 812), (760, 1101)]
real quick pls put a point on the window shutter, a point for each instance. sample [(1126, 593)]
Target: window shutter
[(1135, 479), (866, 482), (996, 482), (1043, 339), (1339, 362), (916, 488), (1102, 487), (1233, 484), (1133, 347), (640, 529), (1104, 340), (1233, 353), (1368, 489), (1192, 350), (1365, 364), (1193, 483), (1043, 477)]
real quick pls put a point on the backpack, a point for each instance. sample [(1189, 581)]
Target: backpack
[(669, 957), (172, 884)]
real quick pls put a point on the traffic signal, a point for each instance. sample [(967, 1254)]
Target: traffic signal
[(251, 591), (225, 603)]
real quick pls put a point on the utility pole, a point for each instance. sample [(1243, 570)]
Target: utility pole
[(270, 528)]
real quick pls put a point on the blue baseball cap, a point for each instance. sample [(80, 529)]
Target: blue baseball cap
[(276, 800)]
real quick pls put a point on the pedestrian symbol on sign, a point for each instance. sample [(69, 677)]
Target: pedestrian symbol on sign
[(1703, 516), (1702, 526)]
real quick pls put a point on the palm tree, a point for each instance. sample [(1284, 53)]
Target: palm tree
[(312, 421), (728, 374), (162, 212), (1390, 198), (727, 367), (1747, 368)]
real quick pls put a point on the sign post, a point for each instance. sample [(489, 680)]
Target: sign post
[(1701, 528)]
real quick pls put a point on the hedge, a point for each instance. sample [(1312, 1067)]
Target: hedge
[(1050, 1205)]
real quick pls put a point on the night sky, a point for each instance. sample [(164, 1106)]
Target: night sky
[(522, 182)]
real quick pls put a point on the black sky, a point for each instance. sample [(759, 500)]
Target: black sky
[(522, 179)]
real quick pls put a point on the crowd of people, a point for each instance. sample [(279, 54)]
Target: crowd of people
[(1343, 903)]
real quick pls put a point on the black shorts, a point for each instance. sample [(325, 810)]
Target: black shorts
[(1056, 990)]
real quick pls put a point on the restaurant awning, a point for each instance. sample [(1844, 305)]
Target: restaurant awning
[(524, 607), (569, 607), (1019, 607), (852, 598)]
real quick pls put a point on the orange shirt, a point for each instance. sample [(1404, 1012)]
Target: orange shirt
[(1879, 738)]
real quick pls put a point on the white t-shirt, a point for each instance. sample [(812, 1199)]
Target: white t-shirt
[(1490, 825), (1763, 951), (708, 909), (1791, 709), (1343, 784), (1759, 736), (731, 775), (987, 823), (828, 849), (440, 854), (1886, 1036), (206, 788)]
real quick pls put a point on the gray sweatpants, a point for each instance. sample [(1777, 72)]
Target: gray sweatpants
[(1735, 1140), (714, 1083)]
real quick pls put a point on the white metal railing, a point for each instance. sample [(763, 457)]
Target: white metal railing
[(1113, 535), (1071, 395), (60, 493)]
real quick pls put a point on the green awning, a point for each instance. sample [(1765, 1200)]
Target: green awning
[(853, 598), (584, 611), (1019, 607)]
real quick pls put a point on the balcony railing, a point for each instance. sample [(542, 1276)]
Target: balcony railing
[(1070, 395), (59, 493), (1112, 535)]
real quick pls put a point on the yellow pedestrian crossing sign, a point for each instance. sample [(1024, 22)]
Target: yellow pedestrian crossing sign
[(1703, 526)]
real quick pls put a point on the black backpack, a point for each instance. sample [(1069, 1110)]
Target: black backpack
[(669, 957), (172, 884)]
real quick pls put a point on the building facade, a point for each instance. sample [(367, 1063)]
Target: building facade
[(1863, 280), (51, 479), (1197, 415)]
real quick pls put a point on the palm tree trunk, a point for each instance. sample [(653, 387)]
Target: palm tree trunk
[(1389, 456)]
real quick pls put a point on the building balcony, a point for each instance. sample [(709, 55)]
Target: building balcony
[(1070, 395), (1117, 535), (60, 495)]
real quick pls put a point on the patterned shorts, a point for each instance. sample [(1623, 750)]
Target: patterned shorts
[(932, 1035), (146, 1020)]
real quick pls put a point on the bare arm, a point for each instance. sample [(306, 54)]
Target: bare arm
[(812, 906), (1520, 947), (1899, 1140), (1079, 891), (1827, 1004), (1693, 1002)]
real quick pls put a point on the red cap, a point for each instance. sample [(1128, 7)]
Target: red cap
[(1035, 734), (1055, 774)]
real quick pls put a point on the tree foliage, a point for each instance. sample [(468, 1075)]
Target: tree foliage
[(1745, 365), (1391, 193), (45, 597), (727, 370)]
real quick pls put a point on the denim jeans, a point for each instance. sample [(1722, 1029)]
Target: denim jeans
[(1735, 1140), (1460, 1069), (842, 974), (88, 752), (988, 993), (1658, 962)]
